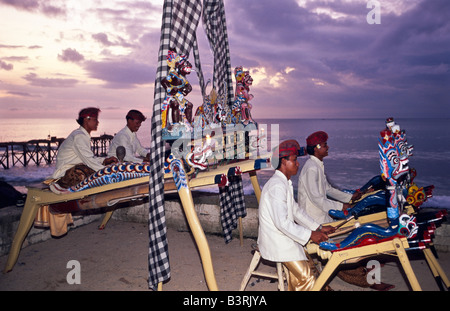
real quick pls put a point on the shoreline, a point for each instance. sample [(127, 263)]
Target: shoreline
[(116, 258)]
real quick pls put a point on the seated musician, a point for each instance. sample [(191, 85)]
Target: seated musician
[(75, 160), (317, 197), (315, 193), (128, 139), (284, 227)]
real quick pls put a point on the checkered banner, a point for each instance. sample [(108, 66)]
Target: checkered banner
[(179, 24), (215, 26), (178, 32), (232, 206), (158, 256)]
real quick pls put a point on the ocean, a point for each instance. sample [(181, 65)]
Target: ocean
[(353, 155)]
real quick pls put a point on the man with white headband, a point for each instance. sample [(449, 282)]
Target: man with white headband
[(75, 160)]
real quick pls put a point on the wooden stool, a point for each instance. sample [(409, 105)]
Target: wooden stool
[(252, 271)]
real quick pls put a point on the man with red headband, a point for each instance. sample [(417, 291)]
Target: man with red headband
[(75, 160), (315, 193), (284, 227), (127, 138), (317, 197)]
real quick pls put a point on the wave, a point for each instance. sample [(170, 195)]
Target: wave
[(26, 176), (437, 202)]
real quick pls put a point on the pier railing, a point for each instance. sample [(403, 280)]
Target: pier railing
[(43, 151)]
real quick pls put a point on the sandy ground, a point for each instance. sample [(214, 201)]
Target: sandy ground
[(115, 259)]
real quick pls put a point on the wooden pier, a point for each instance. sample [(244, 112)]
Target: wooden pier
[(43, 151)]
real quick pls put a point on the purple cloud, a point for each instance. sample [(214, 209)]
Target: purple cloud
[(41, 6), (344, 66), (317, 59), (104, 40), (123, 73), (5, 66), (22, 94), (8, 46), (34, 80), (70, 55)]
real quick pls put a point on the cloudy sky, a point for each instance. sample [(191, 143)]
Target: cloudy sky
[(308, 58)]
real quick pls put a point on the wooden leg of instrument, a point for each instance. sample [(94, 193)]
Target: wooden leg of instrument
[(435, 267), (255, 185), (241, 231), (257, 190), (431, 264), (105, 220), (403, 257), (326, 273), (26, 221), (199, 236)]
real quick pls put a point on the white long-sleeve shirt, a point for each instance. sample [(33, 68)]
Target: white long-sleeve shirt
[(284, 227), (130, 142), (76, 149), (314, 192)]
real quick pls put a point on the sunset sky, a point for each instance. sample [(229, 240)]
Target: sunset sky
[(308, 58)]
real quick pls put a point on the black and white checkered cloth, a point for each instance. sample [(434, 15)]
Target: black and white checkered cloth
[(215, 25), (178, 32), (179, 24), (232, 205)]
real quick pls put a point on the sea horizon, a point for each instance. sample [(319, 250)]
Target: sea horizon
[(12, 130)]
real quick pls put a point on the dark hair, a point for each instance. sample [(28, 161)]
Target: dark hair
[(310, 150), (135, 114), (279, 162), (87, 112)]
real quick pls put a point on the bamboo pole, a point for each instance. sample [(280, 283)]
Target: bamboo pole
[(26, 221), (199, 236), (403, 257), (436, 267)]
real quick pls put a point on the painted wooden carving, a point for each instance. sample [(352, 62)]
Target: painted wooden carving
[(176, 109)]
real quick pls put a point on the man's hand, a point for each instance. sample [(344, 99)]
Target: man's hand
[(327, 229), (317, 236), (356, 195), (110, 160), (347, 206)]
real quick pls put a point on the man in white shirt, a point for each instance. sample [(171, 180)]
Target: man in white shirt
[(128, 139), (315, 193), (75, 159), (317, 197), (284, 227)]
